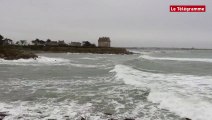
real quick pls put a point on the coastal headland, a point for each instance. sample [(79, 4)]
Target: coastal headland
[(24, 50), (8, 53), (14, 52)]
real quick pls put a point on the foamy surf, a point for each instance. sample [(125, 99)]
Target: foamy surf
[(80, 85), (50, 110), (89, 58), (184, 95), (176, 59), (40, 60)]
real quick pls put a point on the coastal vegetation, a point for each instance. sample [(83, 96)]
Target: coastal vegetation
[(14, 54), (22, 49)]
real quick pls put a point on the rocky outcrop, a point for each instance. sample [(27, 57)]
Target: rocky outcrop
[(129, 119), (186, 119), (2, 115), (97, 50), (14, 54)]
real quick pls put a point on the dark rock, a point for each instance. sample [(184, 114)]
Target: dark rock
[(39, 112), (187, 119), (107, 113), (129, 119), (82, 118), (20, 117), (2, 115), (112, 119), (14, 54)]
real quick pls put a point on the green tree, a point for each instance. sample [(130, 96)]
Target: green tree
[(1, 39), (23, 42), (87, 44), (17, 43), (48, 40)]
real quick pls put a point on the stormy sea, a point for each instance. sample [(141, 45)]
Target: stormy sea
[(148, 85)]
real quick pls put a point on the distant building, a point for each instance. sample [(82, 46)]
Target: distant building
[(52, 43), (61, 42), (7, 42), (75, 44), (104, 42)]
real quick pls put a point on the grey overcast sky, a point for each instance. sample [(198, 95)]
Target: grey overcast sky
[(129, 23)]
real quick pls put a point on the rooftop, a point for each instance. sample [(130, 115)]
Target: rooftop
[(104, 39)]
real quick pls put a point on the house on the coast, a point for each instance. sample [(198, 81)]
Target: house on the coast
[(61, 43), (104, 42), (52, 43), (7, 42), (75, 44)]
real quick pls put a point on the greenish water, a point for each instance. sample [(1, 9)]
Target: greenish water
[(162, 85)]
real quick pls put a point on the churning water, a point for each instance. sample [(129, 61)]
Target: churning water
[(151, 85)]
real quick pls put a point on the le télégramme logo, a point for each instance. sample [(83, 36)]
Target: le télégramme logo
[(187, 8)]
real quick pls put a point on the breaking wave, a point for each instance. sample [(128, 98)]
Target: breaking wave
[(61, 111), (41, 60), (186, 95), (177, 59)]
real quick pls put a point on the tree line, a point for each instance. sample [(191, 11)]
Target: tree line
[(38, 42)]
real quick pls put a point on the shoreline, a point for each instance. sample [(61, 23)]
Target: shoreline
[(15, 54), (26, 52)]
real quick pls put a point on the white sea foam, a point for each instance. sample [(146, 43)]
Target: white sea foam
[(135, 51), (50, 110), (40, 60), (84, 65), (177, 59), (89, 58), (186, 95)]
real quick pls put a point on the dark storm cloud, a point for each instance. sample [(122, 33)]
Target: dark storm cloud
[(127, 22)]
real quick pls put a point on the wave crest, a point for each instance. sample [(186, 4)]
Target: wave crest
[(186, 95), (176, 59), (40, 60)]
